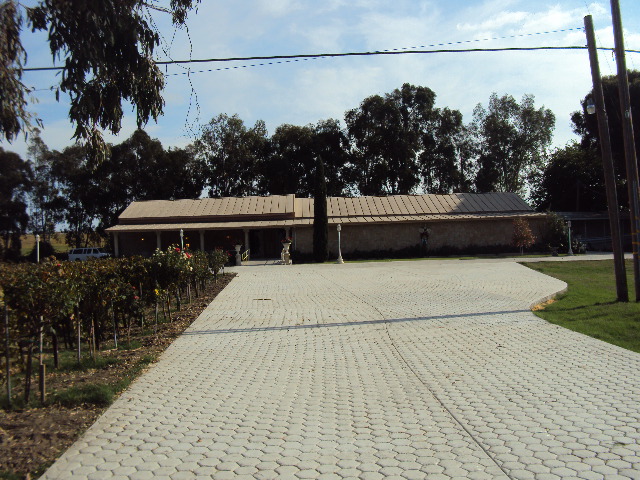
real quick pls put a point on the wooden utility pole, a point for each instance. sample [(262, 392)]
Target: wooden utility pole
[(607, 164), (629, 143)]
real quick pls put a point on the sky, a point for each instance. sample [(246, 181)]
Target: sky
[(306, 92)]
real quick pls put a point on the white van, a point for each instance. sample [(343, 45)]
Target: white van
[(88, 252)]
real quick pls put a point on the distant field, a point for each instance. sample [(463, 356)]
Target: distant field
[(29, 241)]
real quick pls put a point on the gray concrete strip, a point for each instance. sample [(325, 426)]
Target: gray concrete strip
[(371, 371)]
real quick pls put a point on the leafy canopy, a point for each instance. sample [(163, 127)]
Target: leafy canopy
[(105, 48)]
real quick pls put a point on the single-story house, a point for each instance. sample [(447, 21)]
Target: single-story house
[(368, 223)]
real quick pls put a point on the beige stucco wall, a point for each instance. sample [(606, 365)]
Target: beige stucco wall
[(396, 236)]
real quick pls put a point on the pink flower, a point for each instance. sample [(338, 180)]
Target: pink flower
[(136, 297)]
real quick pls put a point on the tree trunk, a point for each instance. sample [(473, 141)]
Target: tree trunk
[(115, 327), (76, 311), (54, 342), (27, 377)]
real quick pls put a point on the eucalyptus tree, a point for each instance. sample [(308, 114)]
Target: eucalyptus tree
[(140, 168), (230, 154), (45, 199), (444, 159), (384, 132), (81, 192), (511, 142), (106, 52), (15, 182), (290, 165), (331, 147)]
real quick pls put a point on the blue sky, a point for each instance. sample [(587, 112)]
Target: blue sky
[(308, 91)]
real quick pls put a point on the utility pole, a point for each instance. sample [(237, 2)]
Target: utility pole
[(607, 164), (629, 143)]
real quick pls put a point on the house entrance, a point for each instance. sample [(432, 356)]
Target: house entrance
[(266, 243)]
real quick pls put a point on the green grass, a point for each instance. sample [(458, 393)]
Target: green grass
[(94, 394), (4, 475), (68, 361), (100, 394), (590, 306)]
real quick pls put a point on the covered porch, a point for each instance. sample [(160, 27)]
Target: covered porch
[(260, 242)]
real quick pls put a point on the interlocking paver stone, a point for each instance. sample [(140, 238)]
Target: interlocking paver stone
[(398, 370)]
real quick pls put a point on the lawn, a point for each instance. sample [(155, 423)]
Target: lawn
[(590, 306)]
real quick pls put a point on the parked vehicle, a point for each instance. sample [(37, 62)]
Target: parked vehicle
[(85, 253)]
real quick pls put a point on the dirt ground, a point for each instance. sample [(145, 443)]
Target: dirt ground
[(32, 438)]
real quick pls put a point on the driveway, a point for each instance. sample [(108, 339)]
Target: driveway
[(394, 370)]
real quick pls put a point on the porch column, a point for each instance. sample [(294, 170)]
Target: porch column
[(202, 240), (116, 246), (246, 239), (158, 239)]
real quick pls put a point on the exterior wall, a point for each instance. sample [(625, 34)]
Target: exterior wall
[(397, 236)]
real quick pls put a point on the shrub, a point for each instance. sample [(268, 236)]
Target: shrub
[(555, 232), (46, 250), (522, 235)]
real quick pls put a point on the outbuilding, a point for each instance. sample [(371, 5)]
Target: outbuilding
[(368, 224)]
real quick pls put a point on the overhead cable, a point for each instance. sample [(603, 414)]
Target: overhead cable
[(354, 54)]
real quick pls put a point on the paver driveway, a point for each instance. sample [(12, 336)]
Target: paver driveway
[(378, 370)]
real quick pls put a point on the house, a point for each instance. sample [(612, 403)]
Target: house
[(369, 223)]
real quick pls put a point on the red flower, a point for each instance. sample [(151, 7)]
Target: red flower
[(136, 297), (177, 249)]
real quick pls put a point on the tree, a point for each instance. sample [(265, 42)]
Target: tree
[(572, 181), (320, 219), (45, 201), (73, 173), (230, 153), (15, 181), (511, 141), (140, 169), (106, 51), (385, 136), (330, 146), (443, 160), (586, 126), (522, 235), (290, 166)]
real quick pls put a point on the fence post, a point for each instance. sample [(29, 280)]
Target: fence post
[(6, 333)]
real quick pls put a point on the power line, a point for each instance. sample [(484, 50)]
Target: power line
[(352, 54)]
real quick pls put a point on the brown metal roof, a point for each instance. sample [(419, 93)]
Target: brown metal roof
[(352, 220), (287, 210), (209, 209), (394, 205)]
